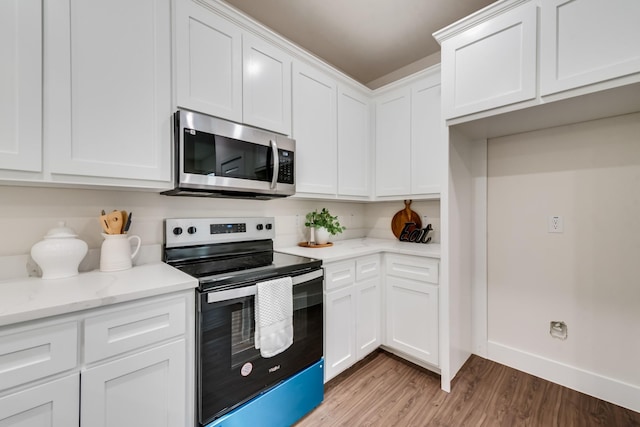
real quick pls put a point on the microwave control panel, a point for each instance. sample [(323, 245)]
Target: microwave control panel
[(285, 172)]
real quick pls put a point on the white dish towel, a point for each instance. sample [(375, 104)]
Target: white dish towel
[(274, 316)]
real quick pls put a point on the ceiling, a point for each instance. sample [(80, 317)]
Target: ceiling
[(366, 39)]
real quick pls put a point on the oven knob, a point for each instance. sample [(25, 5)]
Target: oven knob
[(191, 230), (269, 226), (259, 227), (177, 231)]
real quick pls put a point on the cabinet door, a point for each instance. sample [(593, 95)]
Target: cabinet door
[(427, 138), (208, 62), (354, 143), (53, 404), (340, 332), (492, 64), (145, 389), (108, 88), (21, 85), (314, 129), (266, 84), (412, 318), (573, 54), (36, 352), (368, 312), (393, 143)]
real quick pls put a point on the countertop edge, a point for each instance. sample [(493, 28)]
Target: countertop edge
[(353, 248), (32, 299)]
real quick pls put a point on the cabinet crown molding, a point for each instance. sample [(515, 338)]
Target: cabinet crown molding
[(476, 18), (431, 72)]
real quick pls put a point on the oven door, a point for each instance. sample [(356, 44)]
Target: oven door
[(230, 369)]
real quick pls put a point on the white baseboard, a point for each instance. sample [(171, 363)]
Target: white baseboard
[(608, 389)]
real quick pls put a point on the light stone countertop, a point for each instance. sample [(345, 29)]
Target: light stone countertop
[(34, 298), (352, 248)]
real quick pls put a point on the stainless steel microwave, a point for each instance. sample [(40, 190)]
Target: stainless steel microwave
[(218, 158)]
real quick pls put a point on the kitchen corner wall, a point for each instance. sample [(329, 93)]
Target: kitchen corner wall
[(27, 213), (589, 275), (378, 217)]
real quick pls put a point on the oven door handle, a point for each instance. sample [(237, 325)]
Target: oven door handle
[(245, 291)]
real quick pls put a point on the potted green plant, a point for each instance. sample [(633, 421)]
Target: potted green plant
[(323, 224)]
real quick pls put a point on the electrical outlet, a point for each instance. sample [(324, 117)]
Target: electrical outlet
[(558, 329), (555, 224)]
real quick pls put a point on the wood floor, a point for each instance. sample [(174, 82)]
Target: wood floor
[(386, 391)]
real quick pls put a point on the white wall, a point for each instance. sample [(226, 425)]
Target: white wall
[(588, 276), (27, 213)]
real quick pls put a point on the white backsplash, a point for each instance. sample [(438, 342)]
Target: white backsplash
[(27, 213), (379, 215)]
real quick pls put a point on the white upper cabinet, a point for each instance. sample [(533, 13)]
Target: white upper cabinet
[(266, 84), (410, 139), (587, 41), (393, 143), (108, 89), (427, 137), (354, 143), (490, 64), (314, 129), (208, 62), (21, 85)]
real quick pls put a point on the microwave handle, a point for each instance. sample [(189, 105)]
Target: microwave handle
[(276, 164)]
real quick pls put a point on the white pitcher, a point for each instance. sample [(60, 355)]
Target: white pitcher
[(116, 253)]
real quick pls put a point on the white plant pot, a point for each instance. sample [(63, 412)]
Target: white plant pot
[(322, 236)]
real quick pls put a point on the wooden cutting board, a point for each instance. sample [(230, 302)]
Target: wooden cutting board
[(401, 217)]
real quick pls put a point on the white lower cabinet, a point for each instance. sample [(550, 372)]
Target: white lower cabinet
[(135, 367), (352, 312), (411, 307), (144, 389), (340, 327), (368, 316), (52, 404)]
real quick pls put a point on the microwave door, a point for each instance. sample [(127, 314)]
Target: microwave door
[(215, 162)]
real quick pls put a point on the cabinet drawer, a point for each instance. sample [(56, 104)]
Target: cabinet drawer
[(411, 267), (31, 354), (367, 267), (136, 326), (339, 274)]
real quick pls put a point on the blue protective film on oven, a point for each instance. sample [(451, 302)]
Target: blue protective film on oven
[(282, 405)]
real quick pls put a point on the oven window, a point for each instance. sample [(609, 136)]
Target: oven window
[(242, 333), (215, 155), (243, 325)]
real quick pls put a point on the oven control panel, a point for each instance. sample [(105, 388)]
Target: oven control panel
[(199, 231)]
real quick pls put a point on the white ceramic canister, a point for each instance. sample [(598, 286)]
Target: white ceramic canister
[(60, 253), (115, 252)]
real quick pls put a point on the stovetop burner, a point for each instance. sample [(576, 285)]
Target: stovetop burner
[(224, 253)]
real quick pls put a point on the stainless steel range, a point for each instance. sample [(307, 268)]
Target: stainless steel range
[(237, 384)]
